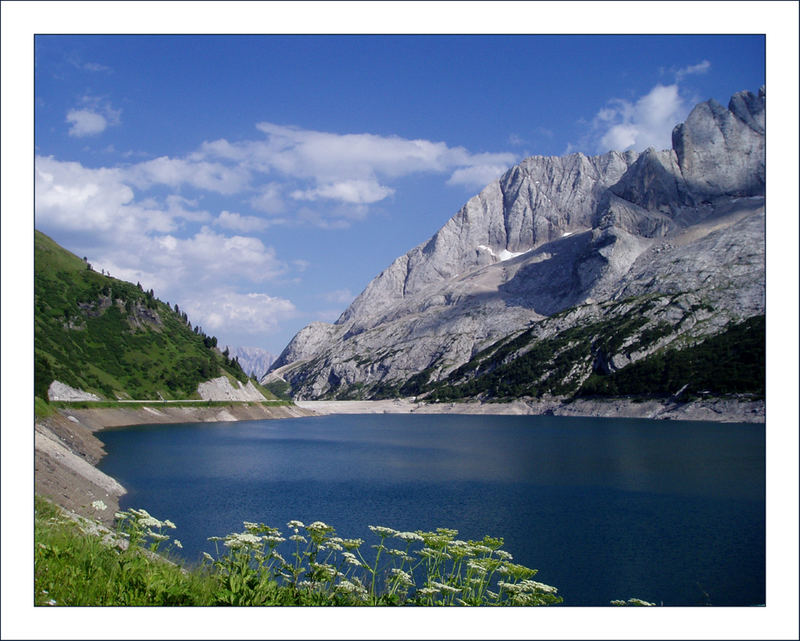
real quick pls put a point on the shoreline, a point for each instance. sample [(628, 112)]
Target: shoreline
[(67, 450), (717, 410)]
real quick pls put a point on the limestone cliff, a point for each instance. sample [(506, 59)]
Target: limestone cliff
[(558, 234)]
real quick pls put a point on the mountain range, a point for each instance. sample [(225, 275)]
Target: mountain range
[(622, 273)]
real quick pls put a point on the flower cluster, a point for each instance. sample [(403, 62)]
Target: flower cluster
[(422, 568), (141, 528)]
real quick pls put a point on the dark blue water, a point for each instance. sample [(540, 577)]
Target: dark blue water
[(670, 512)]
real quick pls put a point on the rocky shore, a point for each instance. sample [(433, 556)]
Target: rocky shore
[(721, 410)]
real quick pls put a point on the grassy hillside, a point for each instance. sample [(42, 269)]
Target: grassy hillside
[(112, 338)]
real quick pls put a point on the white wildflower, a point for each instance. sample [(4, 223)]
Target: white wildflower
[(350, 587), (208, 557), (156, 536), (177, 544), (481, 548), (402, 577), (299, 538), (350, 558), (273, 538), (150, 521), (443, 587), (240, 540), (295, 524), (542, 587), (169, 524), (99, 505), (319, 525), (502, 554), (429, 591), (383, 531), (352, 544), (409, 536), (639, 602)]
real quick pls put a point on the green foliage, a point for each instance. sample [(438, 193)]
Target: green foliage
[(732, 362), (41, 408), (74, 568), (280, 388), (259, 566), (110, 337), (524, 364)]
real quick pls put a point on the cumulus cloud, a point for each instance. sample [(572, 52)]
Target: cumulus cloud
[(477, 176), (269, 199), (71, 197), (647, 122), (92, 117), (175, 172), (143, 240), (84, 122), (241, 314), (348, 168), (356, 192), (237, 222)]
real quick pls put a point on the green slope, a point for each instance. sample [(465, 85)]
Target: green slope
[(109, 337)]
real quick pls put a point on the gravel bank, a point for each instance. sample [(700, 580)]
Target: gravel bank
[(721, 410)]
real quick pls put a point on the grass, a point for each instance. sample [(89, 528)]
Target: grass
[(110, 337), (259, 566)]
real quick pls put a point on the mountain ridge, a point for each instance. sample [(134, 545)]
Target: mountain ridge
[(555, 233)]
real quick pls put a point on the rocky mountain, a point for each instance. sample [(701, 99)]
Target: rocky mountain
[(578, 266), (253, 360)]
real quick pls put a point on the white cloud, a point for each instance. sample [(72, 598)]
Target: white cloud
[(478, 176), (648, 122), (240, 314), (237, 222), (357, 192), (175, 172), (138, 240), (92, 117), (699, 68), (85, 123), (348, 168), (269, 199), (95, 67), (71, 197)]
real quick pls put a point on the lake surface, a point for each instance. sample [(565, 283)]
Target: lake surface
[(670, 512)]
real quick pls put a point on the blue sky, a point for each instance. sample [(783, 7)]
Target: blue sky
[(261, 182)]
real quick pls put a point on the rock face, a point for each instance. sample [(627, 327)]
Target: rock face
[(59, 391), (220, 389), (554, 234)]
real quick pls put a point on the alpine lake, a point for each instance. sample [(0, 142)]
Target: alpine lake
[(672, 512)]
